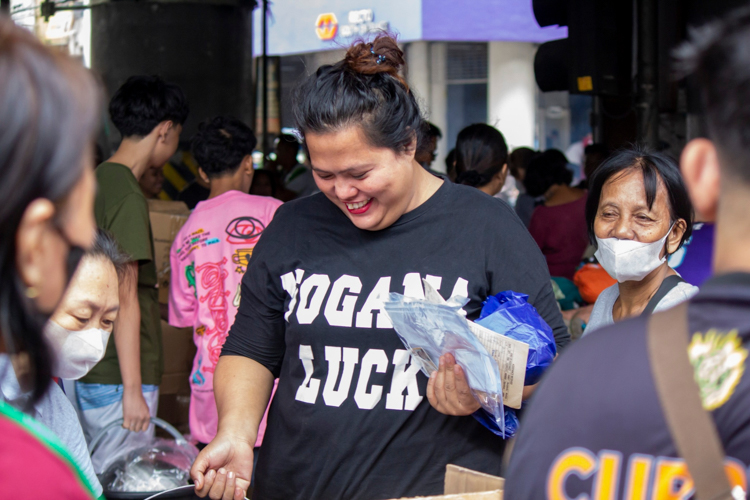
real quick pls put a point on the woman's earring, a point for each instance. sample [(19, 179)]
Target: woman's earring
[(32, 292)]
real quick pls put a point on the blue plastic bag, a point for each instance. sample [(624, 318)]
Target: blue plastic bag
[(511, 422), (429, 330), (510, 314)]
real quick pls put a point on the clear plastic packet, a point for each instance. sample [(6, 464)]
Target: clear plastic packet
[(510, 314), (160, 465), (429, 330)]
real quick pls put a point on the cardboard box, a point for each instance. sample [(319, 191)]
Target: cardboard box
[(179, 352), (167, 218), (466, 484), (463, 480), (163, 269)]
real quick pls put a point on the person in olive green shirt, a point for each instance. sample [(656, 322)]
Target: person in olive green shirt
[(149, 114)]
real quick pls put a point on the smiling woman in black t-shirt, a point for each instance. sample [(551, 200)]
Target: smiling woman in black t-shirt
[(350, 418)]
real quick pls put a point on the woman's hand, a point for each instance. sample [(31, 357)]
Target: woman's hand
[(135, 413), (448, 391), (223, 469)]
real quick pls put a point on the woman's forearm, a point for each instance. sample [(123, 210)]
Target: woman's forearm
[(242, 388)]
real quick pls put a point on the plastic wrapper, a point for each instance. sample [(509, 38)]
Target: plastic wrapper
[(429, 330), (511, 422), (510, 314), (161, 465)]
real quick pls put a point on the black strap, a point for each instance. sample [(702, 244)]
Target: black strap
[(666, 286), (692, 428)]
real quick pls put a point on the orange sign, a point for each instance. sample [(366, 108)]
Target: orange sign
[(326, 26)]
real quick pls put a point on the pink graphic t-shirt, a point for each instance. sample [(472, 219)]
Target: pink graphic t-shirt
[(208, 258)]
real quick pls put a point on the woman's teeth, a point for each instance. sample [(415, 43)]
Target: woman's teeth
[(355, 206)]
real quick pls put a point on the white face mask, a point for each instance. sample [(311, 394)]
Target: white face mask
[(76, 353), (630, 260)]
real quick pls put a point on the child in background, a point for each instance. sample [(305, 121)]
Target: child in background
[(210, 254)]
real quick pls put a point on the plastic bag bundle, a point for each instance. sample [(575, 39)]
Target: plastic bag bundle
[(429, 330), (511, 422), (510, 314), (159, 466)]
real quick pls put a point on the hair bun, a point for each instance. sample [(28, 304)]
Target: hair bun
[(382, 55)]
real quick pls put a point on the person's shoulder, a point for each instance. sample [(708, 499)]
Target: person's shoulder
[(305, 207), (261, 202), (113, 172), (116, 184), (609, 294), (18, 449), (471, 199), (680, 293), (600, 316), (609, 340)]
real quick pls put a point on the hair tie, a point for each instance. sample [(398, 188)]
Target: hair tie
[(471, 178), (379, 58)]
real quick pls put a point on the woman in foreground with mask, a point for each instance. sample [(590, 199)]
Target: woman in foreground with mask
[(638, 213), (48, 117), (77, 334)]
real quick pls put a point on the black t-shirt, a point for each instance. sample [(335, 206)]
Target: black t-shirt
[(350, 418), (595, 425)]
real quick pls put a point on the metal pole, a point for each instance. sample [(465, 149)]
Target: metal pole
[(265, 80), (648, 105)]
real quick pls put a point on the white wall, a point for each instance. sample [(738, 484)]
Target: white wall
[(425, 63), (438, 110), (512, 91)]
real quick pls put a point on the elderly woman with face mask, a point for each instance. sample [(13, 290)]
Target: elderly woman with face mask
[(638, 213), (77, 333)]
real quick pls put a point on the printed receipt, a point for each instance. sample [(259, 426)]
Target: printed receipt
[(511, 356)]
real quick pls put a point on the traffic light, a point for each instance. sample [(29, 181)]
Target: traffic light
[(597, 56)]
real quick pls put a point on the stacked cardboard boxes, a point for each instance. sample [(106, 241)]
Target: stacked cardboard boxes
[(167, 218)]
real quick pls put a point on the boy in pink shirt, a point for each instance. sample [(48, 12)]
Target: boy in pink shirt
[(210, 254)]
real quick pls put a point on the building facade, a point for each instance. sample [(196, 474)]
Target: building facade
[(468, 62)]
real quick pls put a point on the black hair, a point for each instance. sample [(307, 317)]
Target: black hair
[(431, 130), (49, 114), (106, 247), (287, 141), (481, 152), (716, 56), (221, 144), (653, 166), (143, 102), (363, 89), (428, 131), (450, 164), (519, 159), (596, 148), (268, 174), (546, 170)]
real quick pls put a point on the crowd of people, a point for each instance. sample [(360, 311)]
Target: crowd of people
[(300, 388)]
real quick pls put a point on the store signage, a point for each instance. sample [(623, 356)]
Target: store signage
[(362, 22), (326, 26)]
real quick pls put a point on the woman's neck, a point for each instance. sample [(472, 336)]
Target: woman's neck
[(635, 295), (425, 186)]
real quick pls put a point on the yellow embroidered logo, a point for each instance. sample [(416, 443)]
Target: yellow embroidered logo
[(719, 362)]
